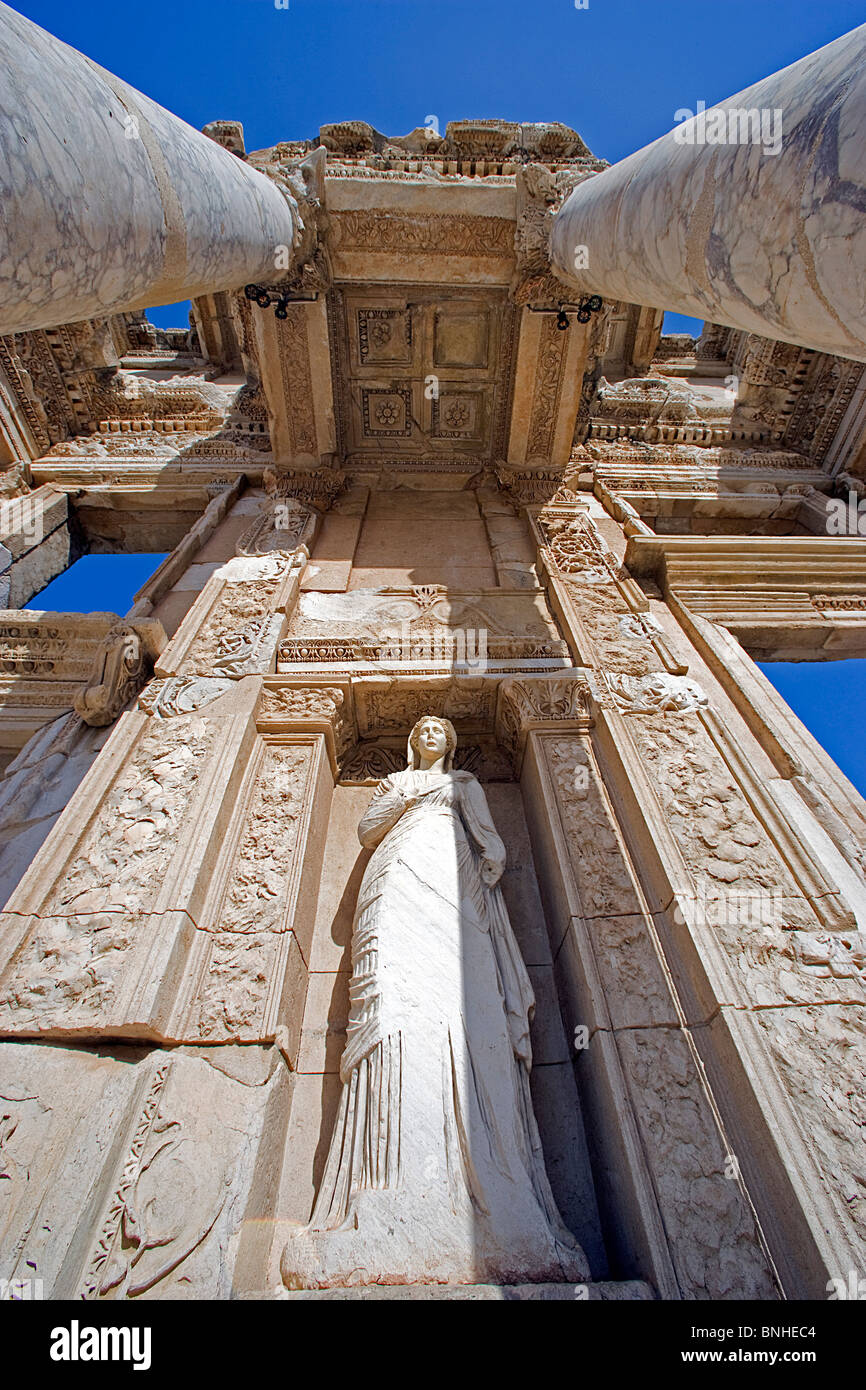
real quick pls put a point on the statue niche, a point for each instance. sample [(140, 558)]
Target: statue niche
[(435, 1172)]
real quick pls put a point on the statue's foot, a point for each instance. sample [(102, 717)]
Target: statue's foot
[(347, 1257), (331, 1259), (366, 1250)]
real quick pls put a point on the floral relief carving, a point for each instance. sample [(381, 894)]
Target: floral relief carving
[(600, 869), (659, 692), (685, 1148), (548, 389), (438, 234), (242, 627), (169, 1196), (721, 840), (256, 912), (76, 953), (819, 1056), (165, 699), (297, 381)]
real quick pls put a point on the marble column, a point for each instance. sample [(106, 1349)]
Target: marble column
[(111, 203), (750, 214)]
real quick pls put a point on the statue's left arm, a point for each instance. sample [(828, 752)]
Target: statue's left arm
[(519, 996), (479, 823)]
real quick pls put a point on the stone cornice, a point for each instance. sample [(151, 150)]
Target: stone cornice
[(801, 561)]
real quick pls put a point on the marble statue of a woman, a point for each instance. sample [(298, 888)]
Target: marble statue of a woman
[(435, 1172)]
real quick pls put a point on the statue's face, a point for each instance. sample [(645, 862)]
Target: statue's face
[(432, 739)]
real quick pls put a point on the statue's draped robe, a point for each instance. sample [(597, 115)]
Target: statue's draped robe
[(435, 1171)]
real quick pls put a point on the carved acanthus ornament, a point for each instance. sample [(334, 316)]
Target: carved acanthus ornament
[(250, 939), (529, 487), (542, 703), (120, 668), (541, 191), (658, 693), (308, 708), (317, 488)]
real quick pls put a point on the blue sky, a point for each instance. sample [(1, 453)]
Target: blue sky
[(616, 71), (828, 697), (97, 583)]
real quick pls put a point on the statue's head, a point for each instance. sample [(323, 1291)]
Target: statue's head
[(434, 737)]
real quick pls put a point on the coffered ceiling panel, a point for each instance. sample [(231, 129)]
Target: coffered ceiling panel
[(425, 373)]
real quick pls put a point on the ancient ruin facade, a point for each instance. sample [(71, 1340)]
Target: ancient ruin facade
[(414, 471)]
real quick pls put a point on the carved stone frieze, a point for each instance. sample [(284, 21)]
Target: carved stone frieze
[(299, 704), (549, 370), (575, 548), (294, 354), (120, 668), (234, 627), (817, 1052), (427, 623), (70, 966), (317, 488), (250, 941), (725, 847), (285, 526), (439, 234), (386, 705), (165, 699), (659, 692), (631, 995), (529, 487)]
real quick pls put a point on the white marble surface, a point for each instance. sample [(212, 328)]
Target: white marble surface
[(109, 202), (774, 243)]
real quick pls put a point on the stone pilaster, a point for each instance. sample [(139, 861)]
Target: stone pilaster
[(750, 932)]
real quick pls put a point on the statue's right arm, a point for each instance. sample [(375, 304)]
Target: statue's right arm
[(382, 814)]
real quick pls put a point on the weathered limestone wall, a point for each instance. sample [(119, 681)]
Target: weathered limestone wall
[(172, 903), (35, 543), (181, 939)]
